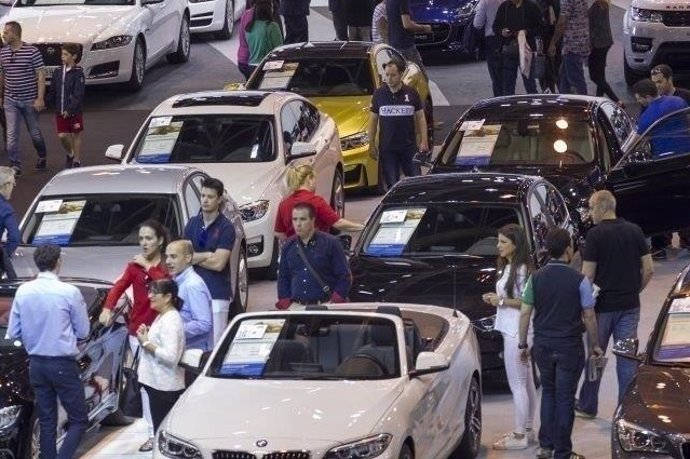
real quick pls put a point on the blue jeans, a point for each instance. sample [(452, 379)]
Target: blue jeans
[(14, 111), (572, 74), (493, 62), (560, 370), (393, 161), (53, 378), (510, 67), (622, 325)]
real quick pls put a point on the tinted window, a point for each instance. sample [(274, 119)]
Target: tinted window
[(207, 139), (673, 341), (671, 136), (98, 220), (321, 76), (540, 220), (618, 120), (438, 229)]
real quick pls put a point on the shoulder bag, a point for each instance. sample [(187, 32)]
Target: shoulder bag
[(303, 255)]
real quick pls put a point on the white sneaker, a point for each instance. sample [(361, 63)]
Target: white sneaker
[(531, 436), (509, 441)]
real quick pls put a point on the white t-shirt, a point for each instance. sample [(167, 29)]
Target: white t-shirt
[(508, 318), (161, 370)]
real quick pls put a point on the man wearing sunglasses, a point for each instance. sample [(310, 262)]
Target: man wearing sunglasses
[(213, 236)]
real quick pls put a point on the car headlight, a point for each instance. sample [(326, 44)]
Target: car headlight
[(634, 438), (466, 9), (353, 141), (254, 210), (113, 42), (643, 15), (361, 449), (485, 324), (170, 446), (9, 415)]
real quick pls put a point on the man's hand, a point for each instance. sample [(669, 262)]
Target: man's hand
[(283, 303), (373, 152), (524, 355), (597, 352), (105, 317), (39, 105), (424, 146), (65, 115), (552, 50)]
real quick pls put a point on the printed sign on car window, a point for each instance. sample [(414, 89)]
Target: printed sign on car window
[(478, 143), (396, 227), (160, 140), (58, 225), (251, 347)]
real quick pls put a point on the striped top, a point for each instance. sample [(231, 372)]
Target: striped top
[(19, 71)]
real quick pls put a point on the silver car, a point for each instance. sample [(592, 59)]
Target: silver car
[(94, 213)]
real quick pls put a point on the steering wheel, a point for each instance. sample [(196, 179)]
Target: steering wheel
[(367, 361)]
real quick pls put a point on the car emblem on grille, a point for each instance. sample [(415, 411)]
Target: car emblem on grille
[(262, 443), (50, 51)]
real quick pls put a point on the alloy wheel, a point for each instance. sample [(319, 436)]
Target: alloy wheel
[(474, 404), (185, 37), (139, 63), (243, 281), (338, 200)]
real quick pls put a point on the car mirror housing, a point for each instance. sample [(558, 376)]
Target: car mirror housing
[(627, 348), (302, 150), (115, 152), (429, 362), (194, 360)]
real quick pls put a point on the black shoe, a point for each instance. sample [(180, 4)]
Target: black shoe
[(69, 160), (76, 164), (41, 163), (17, 170), (659, 254)]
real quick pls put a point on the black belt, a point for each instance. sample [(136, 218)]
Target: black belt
[(69, 358)]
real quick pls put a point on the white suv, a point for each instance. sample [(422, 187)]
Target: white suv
[(656, 32)]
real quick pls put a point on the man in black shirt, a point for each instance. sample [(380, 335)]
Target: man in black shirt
[(359, 15), (401, 113), (401, 30), (616, 258), (295, 14), (338, 12)]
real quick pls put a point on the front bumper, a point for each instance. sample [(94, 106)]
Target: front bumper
[(360, 169), (445, 38), (207, 16), (106, 66), (648, 44), (260, 240)]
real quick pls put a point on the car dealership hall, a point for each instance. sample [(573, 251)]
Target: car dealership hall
[(114, 115)]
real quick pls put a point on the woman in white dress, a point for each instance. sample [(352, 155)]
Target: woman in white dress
[(514, 267), (162, 345)]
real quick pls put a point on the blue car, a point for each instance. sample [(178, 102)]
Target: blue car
[(450, 20)]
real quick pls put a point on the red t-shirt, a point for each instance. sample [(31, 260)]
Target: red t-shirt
[(325, 215), (139, 278)]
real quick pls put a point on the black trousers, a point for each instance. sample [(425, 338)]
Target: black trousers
[(597, 72), (340, 25), (296, 29), (161, 402)]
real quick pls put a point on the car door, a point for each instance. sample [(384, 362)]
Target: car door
[(157, 37), (616, 128), (652, 181)]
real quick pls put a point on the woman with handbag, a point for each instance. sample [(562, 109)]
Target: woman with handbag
[(601, 41), (512, 17), (162, 346), (147, 266), (262, 34)]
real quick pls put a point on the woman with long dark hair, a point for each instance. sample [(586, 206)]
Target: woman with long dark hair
[(514, 267), (147, 266), (263, 33)]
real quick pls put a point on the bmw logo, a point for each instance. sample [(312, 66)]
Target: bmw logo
[(50, 51), (262, 443)]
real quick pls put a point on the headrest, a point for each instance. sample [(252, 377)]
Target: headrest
[(393, 310)]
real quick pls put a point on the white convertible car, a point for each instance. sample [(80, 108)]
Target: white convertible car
[(119, 39), (247, 139), (344, 381)]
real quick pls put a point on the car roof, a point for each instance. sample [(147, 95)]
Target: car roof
[(119, 179), (576, 104), (312, 49), (214, 102), (463, 187)]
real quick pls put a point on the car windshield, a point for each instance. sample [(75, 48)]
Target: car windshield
[(98, 220), (72, 2), (673, 340), (206, 139), (314, 77), (438, 230), (559, 141), (326, 346)]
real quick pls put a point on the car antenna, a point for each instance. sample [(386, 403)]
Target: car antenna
[(455, 291)]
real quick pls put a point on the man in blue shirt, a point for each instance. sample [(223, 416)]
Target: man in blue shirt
[(7, 221), (213, 236), (297, 285), (401, 30), (196, 299), (670, 137), (48, 316)]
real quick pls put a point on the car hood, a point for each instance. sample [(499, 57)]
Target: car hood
[(351, 114), (440, 281), (73, 23), (658, 399), (249, 182), (102, 263), (435, 10), (315, 410)]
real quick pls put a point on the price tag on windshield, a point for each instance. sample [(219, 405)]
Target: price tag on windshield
[(472, 125), (251, 331), (52, 205), (273, 65)]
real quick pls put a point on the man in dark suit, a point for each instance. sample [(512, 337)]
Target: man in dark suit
[(295, 14), (337, 8)]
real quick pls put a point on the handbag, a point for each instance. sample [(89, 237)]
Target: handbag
[(130, 396)]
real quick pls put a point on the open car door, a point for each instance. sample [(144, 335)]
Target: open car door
[(651, 182)]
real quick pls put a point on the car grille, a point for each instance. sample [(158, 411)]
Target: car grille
[(439, 34), (232, 455), (685, 450), (287, 455), (51, 53), (676, 18), (274, 455)]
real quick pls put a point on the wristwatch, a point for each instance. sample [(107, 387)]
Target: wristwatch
[(501, 301), (522, 346)]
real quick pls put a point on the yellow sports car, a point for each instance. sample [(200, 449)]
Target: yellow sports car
[(339, 78)]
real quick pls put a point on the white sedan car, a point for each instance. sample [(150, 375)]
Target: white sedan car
[(119, 39), (247, 139), (343, 381), (216, 16)]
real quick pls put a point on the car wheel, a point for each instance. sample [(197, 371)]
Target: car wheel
[(631, 77), (181, 55), (229, 22), (136, 81), (471, 439), (406, 452), (338, 194), (241, 298)]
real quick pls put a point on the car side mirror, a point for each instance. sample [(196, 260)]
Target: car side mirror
[(429, 362), (115, 152), (627, 348), (194, 360), (422, 158), (302, 150), (234, 87)]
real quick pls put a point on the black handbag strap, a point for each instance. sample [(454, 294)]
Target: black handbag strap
[(135, 360), (303, 255)]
